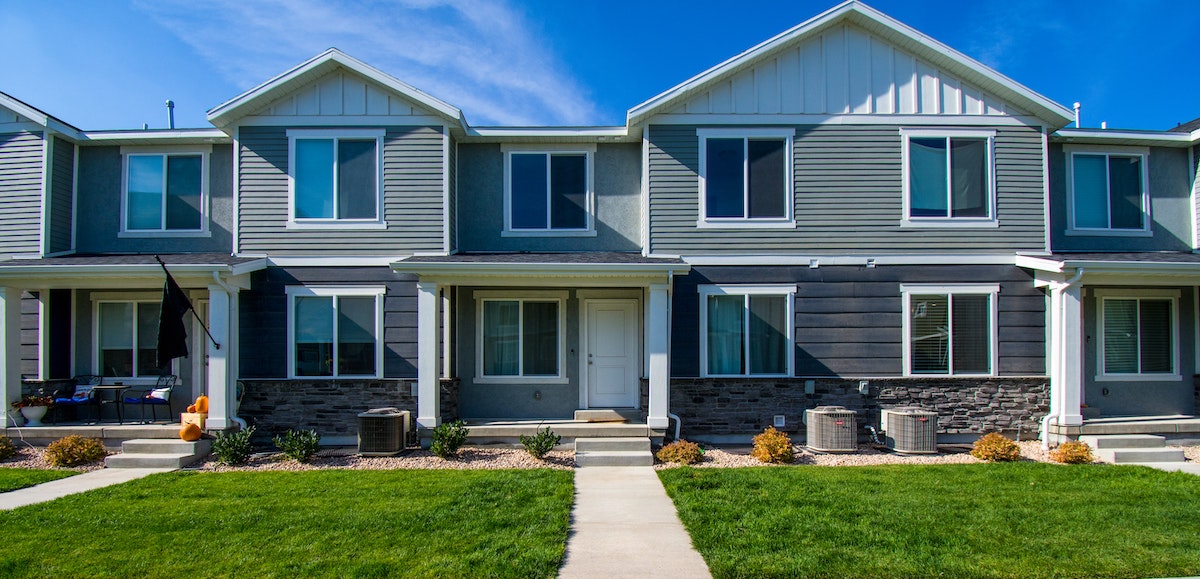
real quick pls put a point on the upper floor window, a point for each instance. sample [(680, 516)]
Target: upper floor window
[(746, 177), (335, 175), (1108, 193), (949, 330), (165, 192), (334, 332), (548, 192), (948, 177), (1138, 334), (746, 330)]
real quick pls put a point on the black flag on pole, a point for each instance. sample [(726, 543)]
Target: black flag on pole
[(172, 335)]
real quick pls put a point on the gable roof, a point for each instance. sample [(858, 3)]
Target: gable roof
[(314, 68), (37, 116), (1053, 114)]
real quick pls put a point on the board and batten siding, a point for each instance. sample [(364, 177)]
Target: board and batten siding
[(412, 198), (848, 197), (62, 196), (849, 320), (20, 192)]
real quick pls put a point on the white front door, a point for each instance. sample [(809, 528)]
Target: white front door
[(611, 353)]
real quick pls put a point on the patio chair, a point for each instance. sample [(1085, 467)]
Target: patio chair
[(83, 395), (159, 396)]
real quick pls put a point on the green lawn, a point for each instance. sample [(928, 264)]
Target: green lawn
[(12, 479), (987, 520), (334, 523)]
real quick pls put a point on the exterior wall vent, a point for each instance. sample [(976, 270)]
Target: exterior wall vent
[(382, 431), (832, 429), (910, 430)]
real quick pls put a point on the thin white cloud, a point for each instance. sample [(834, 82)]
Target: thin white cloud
[(483, 56)]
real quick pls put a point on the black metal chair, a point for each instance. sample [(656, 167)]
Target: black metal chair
[(83, 395), (159, 396)]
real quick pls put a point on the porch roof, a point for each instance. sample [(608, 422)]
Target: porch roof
[(129, 270), (487, 268), (1138, 268)]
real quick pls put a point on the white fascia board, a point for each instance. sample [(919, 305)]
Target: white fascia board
[(851, 260), (156, 136), (1056, 114), (39, 117), (539, 269), (348, 261), (548, 132), (1039, 263), (111, 275), (1122, 137)]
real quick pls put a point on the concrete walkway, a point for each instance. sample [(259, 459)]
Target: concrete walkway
[(1188, 467), (624, 525), (73, 484)]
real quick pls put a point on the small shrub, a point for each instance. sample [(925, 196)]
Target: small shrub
[(773, 446), (682, 452), (541, 443), (299, 445), (1073, 452), (448, 437), (7, 450), (75, 450), (232, 447), (994, 447)]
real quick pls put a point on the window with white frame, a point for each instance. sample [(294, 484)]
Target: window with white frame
[(165, 192), (335, 332), (548, 192), (949, 330), (335, 175), (520, 338), (1138, 335), (948, 176), (746, 176), (746, 330), (127, 338), (1108, 192)]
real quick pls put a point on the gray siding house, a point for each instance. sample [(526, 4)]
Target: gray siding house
[(848, 213)]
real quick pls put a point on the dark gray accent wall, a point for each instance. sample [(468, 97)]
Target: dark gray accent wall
[(452, 206), (412, 198), (264, 317), (617, 198), (62, 196), (30, 335), (20, 193), (99, 198), (849, 319), (1170, 206), (848, 197)]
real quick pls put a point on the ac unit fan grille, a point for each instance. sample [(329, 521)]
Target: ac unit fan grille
[(381, 434), (832, 429), (911, 430)]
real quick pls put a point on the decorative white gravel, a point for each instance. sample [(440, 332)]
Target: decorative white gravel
[(469, 458), (727, 457), (31, 457)]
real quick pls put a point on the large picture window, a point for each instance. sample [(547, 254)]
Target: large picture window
[(520, 338), (335, 332), (1138, 335), (948, 176), (164, 193), (335, 175), (1108, 193), (127, 339), (548, 192), (746, 330), (746, 176), (949, 330)]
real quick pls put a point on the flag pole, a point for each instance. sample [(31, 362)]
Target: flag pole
[(191, 309)]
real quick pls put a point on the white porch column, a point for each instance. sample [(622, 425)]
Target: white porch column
[(1071, 367), (429, 395), (10, 349), (220, 383), (658, 332)]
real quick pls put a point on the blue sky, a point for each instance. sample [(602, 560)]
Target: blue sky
[(111, 64)]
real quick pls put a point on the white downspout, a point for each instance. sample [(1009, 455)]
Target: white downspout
[(1058, 351)]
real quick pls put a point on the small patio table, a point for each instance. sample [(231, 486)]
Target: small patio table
[(116, 390)]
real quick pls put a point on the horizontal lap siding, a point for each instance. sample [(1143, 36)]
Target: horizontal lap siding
[(849, 320), (62, 196), (30, 335), (20, 192), (412, 202), (848, 197)]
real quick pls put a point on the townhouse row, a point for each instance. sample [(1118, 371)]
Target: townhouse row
[(848, 213)]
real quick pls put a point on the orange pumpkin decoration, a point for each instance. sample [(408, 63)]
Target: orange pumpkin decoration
[(202, 403), (191, 408), (190, 432)]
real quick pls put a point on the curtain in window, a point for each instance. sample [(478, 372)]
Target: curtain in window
[(313, 330), (356, 336), (540, 338), (1125, 192), (927, 177), (968, 163), (768, 334), (1155, 336), (501, 338), (143, 208), (726, 324), (356, 196), (184, 210), (116, 339), (929, 334), (1090, 179), (971, 333), (313, 175), (1120, 336), (724, 179)]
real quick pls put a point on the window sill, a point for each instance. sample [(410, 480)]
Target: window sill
[(748, 376), (337, 225), (1139, 378), (520, 380), (931, 375), (548, 233), (746, 224), (949, 223), (158, 234), (1109, 233)]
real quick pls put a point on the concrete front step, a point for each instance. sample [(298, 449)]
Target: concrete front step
[(1137, 455), (1101, 442), (600, 415), (509, 433), (177, 446), (158, 453), (625, 443), (613, 458)]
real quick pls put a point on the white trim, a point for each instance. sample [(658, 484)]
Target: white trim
[(43, 369), (155, 149), (334, 222), (336, 133), (1108, 136), (237, 190), (136, 298), (990, 290), (589, 158), (1046, 231), (788, 220), (854, 260), (165, 153), (337, 224), (457, 192), (595, 296), (548, 132), (335, 292), (154, 135), (312, 261), (644, 191), (559, 298), (787, 291), (446, 189), (1143, 154), (742, 120), (339, 121), (74, 197), (1192, 205), (47, 183), (1102, 374), (949, 221)]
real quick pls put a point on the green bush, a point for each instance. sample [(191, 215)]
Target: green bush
[(75, 450), (7, 450), (773, 446), (232, 447), (299, 445), (994, 447), (448, 437), (682, 452), (541, 443), (1073, 452)]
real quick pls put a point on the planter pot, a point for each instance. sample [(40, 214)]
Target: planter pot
[(33, 414)]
